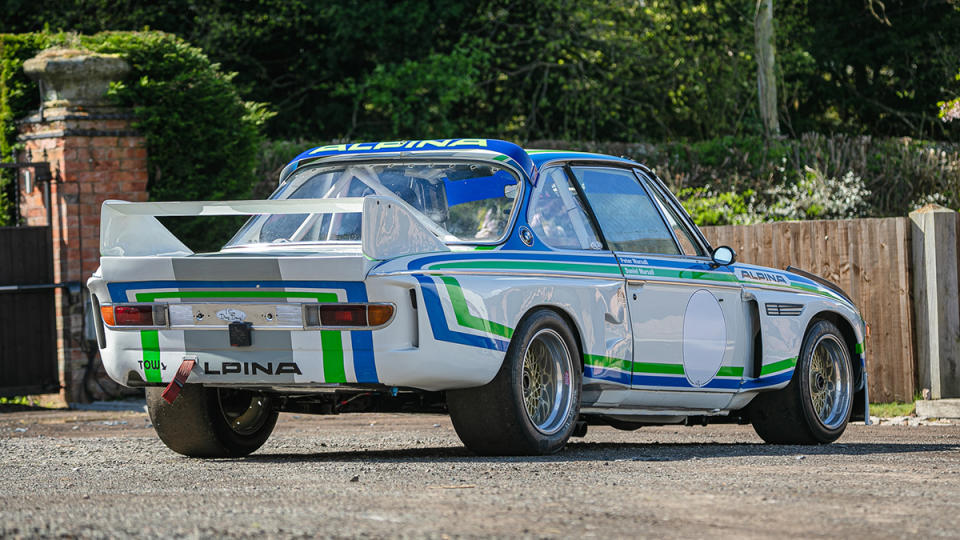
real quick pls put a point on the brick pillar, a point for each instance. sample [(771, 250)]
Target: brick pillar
[(94, 155)]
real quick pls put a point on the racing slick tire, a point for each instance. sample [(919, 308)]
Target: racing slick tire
[(815, 406), (212, 422), (532, 404)]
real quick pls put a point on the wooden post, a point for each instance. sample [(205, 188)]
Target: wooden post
[(936, 306)]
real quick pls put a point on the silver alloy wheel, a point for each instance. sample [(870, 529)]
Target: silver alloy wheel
[(245, 412), (547, 381), (830, 385)]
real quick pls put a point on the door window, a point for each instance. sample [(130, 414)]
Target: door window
[(557, 216), (687, 241), (628, 217)]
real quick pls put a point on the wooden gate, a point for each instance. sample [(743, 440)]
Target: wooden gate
[(869, 259), (28, 334)]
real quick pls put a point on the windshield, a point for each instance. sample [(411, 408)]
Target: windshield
[(467, 201)]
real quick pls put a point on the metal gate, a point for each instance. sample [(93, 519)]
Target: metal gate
[(28, 332), (28, 329)]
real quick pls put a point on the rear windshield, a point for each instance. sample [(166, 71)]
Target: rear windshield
[(467, 201)]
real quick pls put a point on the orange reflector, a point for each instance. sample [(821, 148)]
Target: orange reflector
[(107, 313), (379, 314)]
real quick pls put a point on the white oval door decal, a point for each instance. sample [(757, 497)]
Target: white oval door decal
[(704, 338)]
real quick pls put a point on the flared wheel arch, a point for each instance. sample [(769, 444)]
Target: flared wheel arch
[(849, 338), (571, 322)]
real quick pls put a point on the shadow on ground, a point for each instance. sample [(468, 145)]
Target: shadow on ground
[(586, 451)]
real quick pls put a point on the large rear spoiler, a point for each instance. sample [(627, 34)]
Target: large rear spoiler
[(389, 227)]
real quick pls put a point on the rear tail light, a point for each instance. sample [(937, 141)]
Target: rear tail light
[(347, 315), (134, 315)]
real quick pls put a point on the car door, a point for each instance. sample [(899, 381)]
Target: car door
[(686, 314)]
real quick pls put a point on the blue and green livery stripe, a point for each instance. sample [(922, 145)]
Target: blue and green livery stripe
[(651, 367), (614, 269), (529, 265), (677, 369), (331, 343), (467, 319), (858, 348)]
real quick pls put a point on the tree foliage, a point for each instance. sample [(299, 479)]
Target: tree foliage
[(201, 137), (591, 69)]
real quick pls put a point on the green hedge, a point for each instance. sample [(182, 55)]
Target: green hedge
[(202, 138), (729, 180)]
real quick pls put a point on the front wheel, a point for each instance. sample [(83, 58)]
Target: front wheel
[(531, 406), (815, 407), (212, 422)]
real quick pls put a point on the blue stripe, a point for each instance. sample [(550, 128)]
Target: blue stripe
[(438, 322), (767, 381), (605, 374), (682, 382), (512, 151), (361, 341)]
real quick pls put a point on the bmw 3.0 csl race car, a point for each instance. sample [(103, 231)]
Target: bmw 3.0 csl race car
[(528, 293)]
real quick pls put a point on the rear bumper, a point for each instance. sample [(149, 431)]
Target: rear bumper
[(403, 353)]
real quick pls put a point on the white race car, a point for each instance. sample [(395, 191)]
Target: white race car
[(528, 293)]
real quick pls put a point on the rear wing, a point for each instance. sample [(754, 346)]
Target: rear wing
[(390, 228)]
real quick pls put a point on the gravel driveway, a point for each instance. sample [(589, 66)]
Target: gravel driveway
[(105, 474)]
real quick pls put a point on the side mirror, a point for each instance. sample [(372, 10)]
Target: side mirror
[(724, 255)]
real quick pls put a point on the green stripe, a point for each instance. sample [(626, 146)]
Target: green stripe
[(651, 367), (150, 344), (465, 318), (331, 342), (320, 297), (859, 348), (529, 265), (778, 366), (730, 371), (607, 362), (485, 248)]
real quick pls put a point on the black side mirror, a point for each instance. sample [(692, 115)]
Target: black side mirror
[(724, 255)]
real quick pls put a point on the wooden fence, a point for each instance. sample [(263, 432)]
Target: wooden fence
[(868, 258)]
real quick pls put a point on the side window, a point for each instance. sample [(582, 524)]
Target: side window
[(557, 216), (687, 241), (629, 218)]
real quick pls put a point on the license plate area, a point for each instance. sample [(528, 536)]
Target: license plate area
[(221, 315), (241, 334)]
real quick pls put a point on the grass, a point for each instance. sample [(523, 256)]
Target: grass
[(889, 410)]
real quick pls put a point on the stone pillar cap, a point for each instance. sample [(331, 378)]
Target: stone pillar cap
[(71, 77), (932, 207)]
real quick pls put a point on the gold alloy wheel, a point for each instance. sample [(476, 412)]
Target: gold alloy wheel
[(830, 386), (547, 381), (245, 412)]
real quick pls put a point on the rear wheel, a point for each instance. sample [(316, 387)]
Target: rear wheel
[(212, 422), (815, 407), (531, 406)]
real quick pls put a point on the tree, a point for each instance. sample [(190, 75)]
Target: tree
[(766, 79)]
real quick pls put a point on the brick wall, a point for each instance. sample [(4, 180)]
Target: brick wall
[(94, 155)]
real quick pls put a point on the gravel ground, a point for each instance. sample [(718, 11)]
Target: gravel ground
[(105, 474)]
